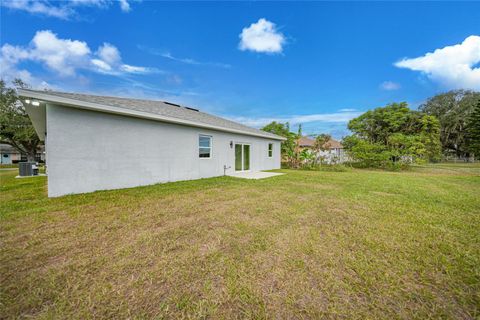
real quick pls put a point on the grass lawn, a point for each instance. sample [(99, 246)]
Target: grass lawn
[(358, 244)]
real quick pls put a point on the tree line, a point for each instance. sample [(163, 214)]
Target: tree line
[(445, 125)]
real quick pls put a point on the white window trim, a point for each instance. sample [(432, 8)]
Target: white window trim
[(268, 150), (211, 146)]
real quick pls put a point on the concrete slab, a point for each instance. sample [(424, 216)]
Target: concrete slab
[(38, 175), (255, 175)]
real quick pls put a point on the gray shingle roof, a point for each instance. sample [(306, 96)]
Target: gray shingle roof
[(160, 108)]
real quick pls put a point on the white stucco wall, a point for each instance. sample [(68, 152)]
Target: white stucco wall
[(90, 151)]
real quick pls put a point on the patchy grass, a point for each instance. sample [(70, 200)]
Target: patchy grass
[(8, 166), (354, 245)]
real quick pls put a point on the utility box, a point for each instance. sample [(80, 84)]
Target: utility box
[(27, 169)]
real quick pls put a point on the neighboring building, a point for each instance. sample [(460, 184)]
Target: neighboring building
[(10, 155), (334, 152), (99, 143)]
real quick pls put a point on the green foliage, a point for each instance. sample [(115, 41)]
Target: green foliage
[(293, 156), (453, 110), (321, 144), (15, 126), (307, 157), (473, 131), (393, 136), (278, 128), (365, 153)]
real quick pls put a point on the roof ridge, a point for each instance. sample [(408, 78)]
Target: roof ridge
[(102, 96)]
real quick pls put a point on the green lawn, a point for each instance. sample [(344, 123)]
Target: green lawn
[(354, 245)]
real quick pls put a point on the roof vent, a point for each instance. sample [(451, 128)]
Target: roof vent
[(193, 109), (172, 104)]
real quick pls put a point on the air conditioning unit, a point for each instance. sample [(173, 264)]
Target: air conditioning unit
[(27, 169)]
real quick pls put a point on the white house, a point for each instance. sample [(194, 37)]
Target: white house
[(333, 153), (100, 143)]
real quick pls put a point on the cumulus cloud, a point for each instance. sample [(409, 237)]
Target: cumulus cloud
[(60, 55), (124, 5), (335, 117), (109, 54), (64, 57), (262, 36), (9, 57), (453, 67), (60, 9), (389, 85)]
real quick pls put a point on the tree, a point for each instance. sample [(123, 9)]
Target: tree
[(16, 129), (296, 159), (278, 128), (322, 143), (473, 131), (366, 153), (392, 134), (452, 109)]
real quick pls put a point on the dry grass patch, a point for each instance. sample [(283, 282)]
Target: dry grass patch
[(356, 244)]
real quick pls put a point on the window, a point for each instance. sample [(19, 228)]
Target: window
[(204, 146), (270, 150)]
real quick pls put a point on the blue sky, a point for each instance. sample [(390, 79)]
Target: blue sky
[(315, 63)]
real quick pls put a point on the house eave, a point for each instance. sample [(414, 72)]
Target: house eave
[(45, 97)]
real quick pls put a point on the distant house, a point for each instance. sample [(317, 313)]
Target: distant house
[(10, 155), (98, 143), (334, 152)]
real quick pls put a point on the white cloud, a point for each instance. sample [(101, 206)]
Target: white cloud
[(109, 54), (168, 55), (60, 9), (262, 36), (38, 7), (135, 69), (453, 66), (64, 57), (101, 65), (89, 3), (9, 57), (183, 60), (336, 117), (124, 5), (390, 85)]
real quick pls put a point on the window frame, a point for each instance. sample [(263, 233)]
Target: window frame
[(210, 147), (270, 151)]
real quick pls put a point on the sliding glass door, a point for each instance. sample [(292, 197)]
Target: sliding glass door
[(242, 157), (238, 157)]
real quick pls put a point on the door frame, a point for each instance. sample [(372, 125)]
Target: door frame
[(243, 162)]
